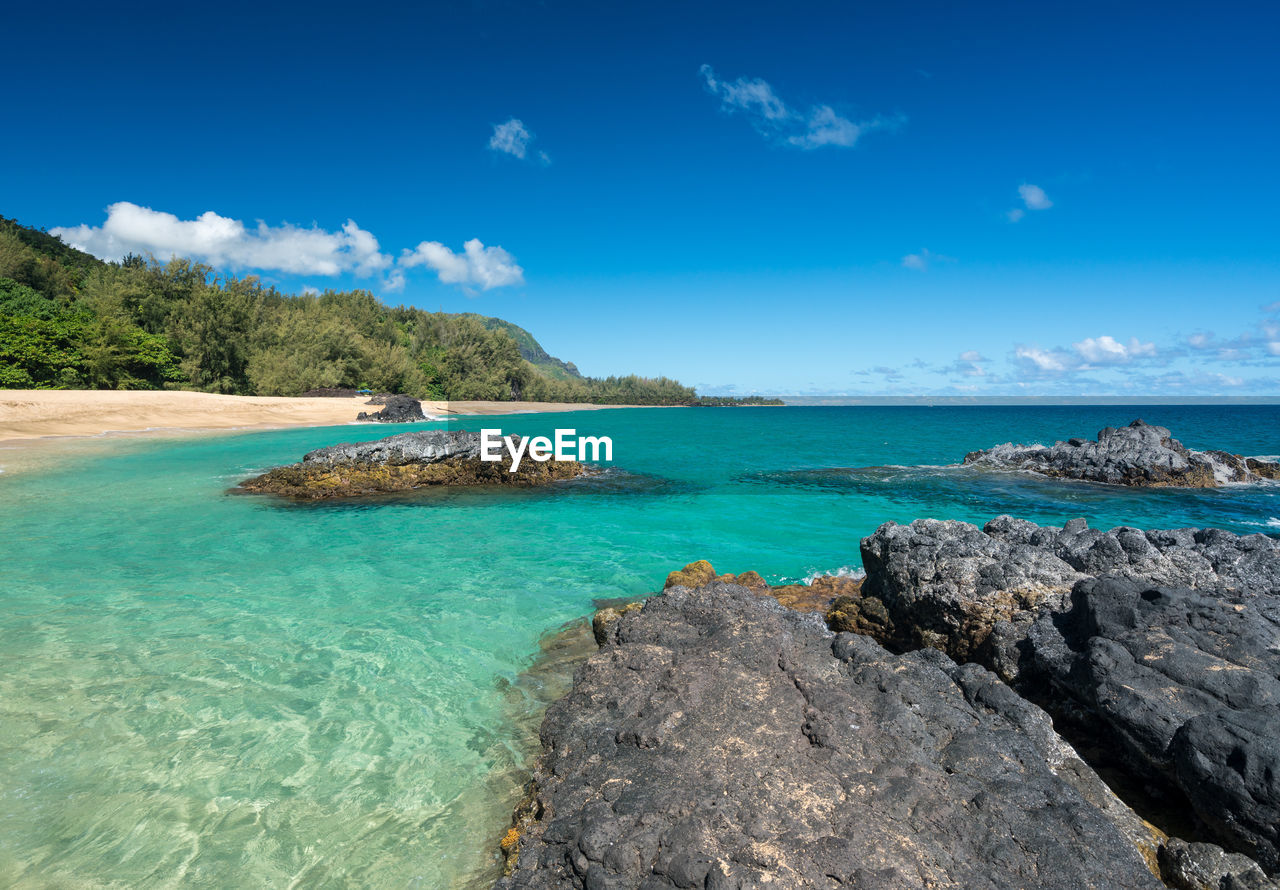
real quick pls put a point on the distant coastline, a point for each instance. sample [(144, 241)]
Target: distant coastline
[(1019, 401)]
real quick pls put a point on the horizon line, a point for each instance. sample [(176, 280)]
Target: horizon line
[(996, 401)]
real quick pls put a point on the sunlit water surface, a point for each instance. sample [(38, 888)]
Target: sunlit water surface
[(211, 690)]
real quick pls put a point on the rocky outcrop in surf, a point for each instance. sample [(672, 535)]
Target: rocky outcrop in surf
[(720, 740), (396, 409), (1139, 454), (402, 463)]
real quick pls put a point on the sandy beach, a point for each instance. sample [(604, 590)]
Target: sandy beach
[(27, 414)]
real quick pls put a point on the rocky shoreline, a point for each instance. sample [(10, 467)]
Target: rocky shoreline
[(402, 463), (1140, 454), (720, 739)]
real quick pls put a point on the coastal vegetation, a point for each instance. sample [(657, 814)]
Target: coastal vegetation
[(734, 401), (71, 321)]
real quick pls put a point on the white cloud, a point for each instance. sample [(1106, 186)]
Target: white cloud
[(514, 138), (967, 364), (309, 291), (825, 127), (1041, 359), (1034, 197), (819, 126), (1106, 350), (1257, 344), (1089, 354), (395, 281), (922, 260), (222, 241), (477, 265)]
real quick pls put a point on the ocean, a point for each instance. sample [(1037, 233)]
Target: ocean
[(205, 689)]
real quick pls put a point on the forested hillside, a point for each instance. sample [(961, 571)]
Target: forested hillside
[(71, 321)]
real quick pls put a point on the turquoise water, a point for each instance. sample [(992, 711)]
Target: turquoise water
[(208, 690)]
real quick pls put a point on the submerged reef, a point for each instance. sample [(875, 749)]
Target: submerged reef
[(402, 463), (1003, 707), (1139, 454)]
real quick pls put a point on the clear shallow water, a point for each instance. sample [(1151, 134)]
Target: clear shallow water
[(208, 690)]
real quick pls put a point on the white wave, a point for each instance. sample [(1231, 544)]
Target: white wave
[(842, 572), (1272, 522)]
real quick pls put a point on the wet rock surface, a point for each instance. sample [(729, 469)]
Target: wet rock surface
[(402, 463), (720, 740), (1185, 686), (396, 409), (1139, 454)]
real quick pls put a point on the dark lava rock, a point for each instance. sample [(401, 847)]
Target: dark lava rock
[(429, 446), (1198, 866), (1139, 454), (402, 463), (720, 740), (974, 592), (1185, 685), (396, 409)]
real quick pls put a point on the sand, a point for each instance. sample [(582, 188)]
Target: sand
[(30, 414)]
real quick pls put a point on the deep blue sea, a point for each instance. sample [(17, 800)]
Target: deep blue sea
[(203, 689)]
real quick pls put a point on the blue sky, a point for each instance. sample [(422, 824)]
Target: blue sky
[(913, 198)]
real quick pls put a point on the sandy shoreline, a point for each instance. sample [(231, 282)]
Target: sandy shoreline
[(28, 416)]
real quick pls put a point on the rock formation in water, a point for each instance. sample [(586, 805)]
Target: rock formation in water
[(1139, 454), (402, 463), (719, 740), (396, 409)]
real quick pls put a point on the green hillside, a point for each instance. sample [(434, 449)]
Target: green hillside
[(71, 321), (531, 349)]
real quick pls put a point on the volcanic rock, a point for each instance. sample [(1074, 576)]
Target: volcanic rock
[(720, 740), (404, 462), (1139, 454), (974, 592), (396, 409), (1185, 686)]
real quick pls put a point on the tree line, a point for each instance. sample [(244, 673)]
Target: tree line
[(71, 321)]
